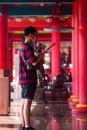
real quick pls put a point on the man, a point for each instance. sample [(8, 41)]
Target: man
[(27, 78)]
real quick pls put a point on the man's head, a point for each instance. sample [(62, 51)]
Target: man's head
[(30, 34)]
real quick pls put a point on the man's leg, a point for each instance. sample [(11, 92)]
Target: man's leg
[(27, 109), (22, 112)]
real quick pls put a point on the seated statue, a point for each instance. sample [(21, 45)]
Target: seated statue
[(59, 81)]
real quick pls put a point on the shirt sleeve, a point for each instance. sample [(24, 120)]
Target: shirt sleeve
[(30, 55)]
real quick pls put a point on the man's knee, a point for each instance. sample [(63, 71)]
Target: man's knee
[(28, 102)]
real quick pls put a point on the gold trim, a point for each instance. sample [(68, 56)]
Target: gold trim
[(75, 100), (72, 96), (81, 106), (39, 32), (79, 119)]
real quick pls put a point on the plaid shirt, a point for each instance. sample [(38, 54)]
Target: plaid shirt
[(25, 75)]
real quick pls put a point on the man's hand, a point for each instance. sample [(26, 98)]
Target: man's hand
[(39, 57)]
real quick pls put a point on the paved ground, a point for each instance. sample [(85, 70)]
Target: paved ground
[(55, 115)]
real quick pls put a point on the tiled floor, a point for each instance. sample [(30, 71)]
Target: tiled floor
[(51, 116)]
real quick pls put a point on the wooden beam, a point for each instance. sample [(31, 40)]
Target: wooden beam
[(37, 11), (34, 1)]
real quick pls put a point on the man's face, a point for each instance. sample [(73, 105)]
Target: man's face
[(32, 38)]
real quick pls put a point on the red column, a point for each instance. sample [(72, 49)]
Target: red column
[(55, 51), (82, 56), (76, 55), (74, 99), (73, 51), (3, 39)]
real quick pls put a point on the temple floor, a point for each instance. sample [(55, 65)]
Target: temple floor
[(45, 116)]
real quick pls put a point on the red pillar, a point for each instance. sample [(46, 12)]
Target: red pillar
[(73, 51), (82, 56), (76, 55), (72, 99), (3, 39), (55, 51)]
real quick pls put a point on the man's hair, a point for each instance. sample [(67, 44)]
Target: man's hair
[(29, 30)]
